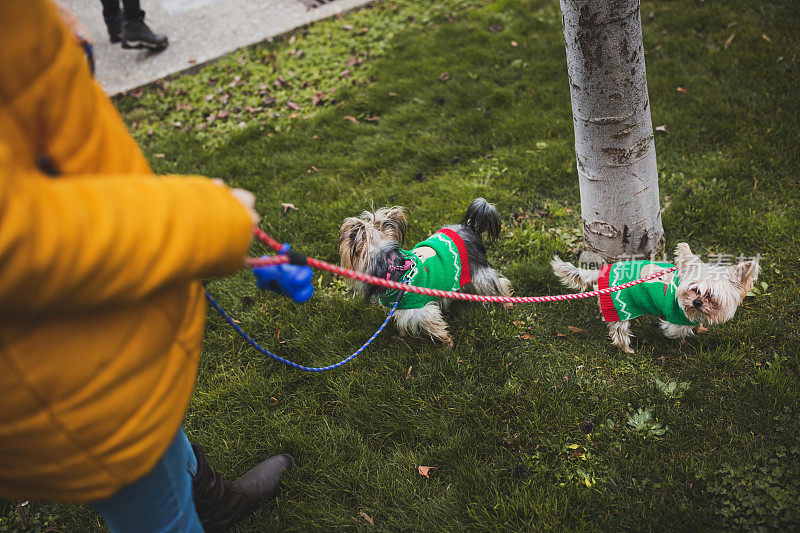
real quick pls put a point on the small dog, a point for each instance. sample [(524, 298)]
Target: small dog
[(454, 258), (696, 293)]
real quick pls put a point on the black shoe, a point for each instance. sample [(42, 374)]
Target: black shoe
[(221, 503), (114, 26), (136, 34)]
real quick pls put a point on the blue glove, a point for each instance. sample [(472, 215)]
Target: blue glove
[(289, 280)]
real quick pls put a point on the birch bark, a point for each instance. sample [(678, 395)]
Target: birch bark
[(616, 155)]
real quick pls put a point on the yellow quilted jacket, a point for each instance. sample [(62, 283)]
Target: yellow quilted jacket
[(101, 310)]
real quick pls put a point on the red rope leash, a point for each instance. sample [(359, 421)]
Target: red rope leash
[(360, 276)]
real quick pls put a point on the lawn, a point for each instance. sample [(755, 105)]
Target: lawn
[(533, 421)]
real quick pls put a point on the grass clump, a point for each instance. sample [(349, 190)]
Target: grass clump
[(529, 425)]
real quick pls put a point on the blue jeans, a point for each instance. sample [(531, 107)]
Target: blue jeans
[(159, 502)]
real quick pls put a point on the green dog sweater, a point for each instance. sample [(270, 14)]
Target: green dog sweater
[(656, 297), (444, 265)]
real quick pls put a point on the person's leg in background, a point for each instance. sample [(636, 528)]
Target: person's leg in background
[(127, 25), (112, 14)]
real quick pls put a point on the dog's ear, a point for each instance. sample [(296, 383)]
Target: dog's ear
[(392, 222), (744, 275), (684, 256), (351, 241)]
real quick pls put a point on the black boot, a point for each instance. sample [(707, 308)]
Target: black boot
[(136, 34), (221, 503), (114, 26)]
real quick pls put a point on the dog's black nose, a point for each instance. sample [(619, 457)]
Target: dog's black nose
[(698, 303)]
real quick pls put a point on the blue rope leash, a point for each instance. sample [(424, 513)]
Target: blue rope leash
[(292, 364)]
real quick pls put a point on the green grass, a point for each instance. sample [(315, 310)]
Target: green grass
[(529, 426)]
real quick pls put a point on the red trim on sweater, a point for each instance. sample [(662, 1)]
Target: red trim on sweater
[(606, 303), (465, 276)]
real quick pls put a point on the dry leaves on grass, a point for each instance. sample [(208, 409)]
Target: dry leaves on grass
[(287, 206), (577, 331), (366, 517), (354, 120), (728, 41), (423, 470)]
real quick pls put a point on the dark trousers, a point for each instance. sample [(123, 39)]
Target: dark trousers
[(131, 9)]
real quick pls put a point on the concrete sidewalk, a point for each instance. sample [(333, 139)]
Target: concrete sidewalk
[(198, 31)]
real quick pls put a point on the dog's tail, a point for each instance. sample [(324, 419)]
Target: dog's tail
[(482, 216), (572, 276)]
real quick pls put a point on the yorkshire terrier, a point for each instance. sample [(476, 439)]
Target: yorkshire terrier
[(452, 259), (697, 293)]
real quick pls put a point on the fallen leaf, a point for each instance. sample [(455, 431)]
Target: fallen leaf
[(514, 44), (352, 61), (577, 331), (366, 517), (495, 28), (766, 38), (224, 98), (280, 82), (347, 27), (293, 105), (354, 120), (728, 41), (373, 118), (526, 337), (273, 400), (158, 155), (662, 128), (560, 335), (408, 374), (444, 76), (192, 61), (223, 114), (318, 97), (287, 206), (423, 470), (681, 90)]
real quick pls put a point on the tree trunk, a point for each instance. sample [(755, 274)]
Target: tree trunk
[(613, 129)]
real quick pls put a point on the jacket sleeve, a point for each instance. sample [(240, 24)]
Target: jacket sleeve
[(88, 242)]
